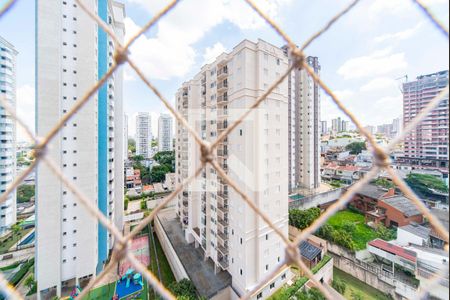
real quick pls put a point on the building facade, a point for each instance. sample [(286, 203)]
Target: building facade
[(212, 214), (71, 245), (304, 128), (144, 134), (324, 127), (165, 133), (429, 140), (125, 136), (8, 133)]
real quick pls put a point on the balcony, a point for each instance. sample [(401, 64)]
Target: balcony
[(222, 152), (222, 86), (222, 125), (222, 99), (223, 236), (223, 221), (224, 263), (223, 249), (222, 73)]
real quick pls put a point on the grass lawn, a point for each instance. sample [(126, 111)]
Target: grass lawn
[(362, 233), (7, 242), (355, 286), (103, 292), (166, 271)]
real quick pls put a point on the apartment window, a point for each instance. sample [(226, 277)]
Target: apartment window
[(240, 271), (241, 241), (64, 261), (267, 267), (267, 237), (278, 61), (64, 247), (240, 132), (283, 277), (259, 296), (64, 233), (75, 231), (74, 258)]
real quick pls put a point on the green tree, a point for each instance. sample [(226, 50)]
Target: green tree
[(184, 289), (16, 229), (383, 182), (349, 226), (143, 204), (29, 282), (425, 184), (311, 294), (158, 173), (25, 192), (385, 233), (302, 219), (132, 145), (356, 147)]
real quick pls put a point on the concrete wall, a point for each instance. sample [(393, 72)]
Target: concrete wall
[(175, 264), (322, 199), (369, 273)]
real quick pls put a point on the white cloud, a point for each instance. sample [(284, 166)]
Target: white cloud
[(344, 94), (399, 7), (170, 52), (402, 35), (211, 53), (379, 84), (378, 63), (25, 109)]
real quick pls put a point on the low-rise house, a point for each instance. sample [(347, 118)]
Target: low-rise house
[(436, 239), (395, 211), (413, 234), (311, 254), (347, 173), (366, 199), (148, 189)]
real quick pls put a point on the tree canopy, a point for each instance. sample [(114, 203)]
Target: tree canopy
[(356, 147), (302, 219), (424, 184)]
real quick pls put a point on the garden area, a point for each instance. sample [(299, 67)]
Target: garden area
[(346, 228), (286, 292), (353, 289), (17, 232)]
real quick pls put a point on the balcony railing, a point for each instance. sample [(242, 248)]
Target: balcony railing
[(223, 249)]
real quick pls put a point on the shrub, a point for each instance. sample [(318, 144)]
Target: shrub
[(339, 285), (302, 219), (349, 226), (184, 289), (143, 204)]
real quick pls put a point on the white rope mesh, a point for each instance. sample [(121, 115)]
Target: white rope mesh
[(292, 253)]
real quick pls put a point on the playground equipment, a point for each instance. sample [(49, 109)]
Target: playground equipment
[(75, 292), (130, 283)]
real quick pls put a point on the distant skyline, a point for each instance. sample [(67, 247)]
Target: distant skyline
[(362, 55)]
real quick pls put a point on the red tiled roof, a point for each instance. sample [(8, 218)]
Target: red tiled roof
[(393, 249), (349, 168), (148, 188)]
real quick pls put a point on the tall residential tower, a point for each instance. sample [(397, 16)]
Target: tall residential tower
[(212, 214), (8, 133), (72, 54), (165, 133), (144, 134), (304, 129), (429, 140)]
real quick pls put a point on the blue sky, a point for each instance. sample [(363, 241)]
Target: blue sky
[(361, 56)]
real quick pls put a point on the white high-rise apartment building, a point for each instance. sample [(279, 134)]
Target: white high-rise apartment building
[(304, 129), (125, 136), (213, 215), (165, 133), (7, 133), (144, 134), (72, 54)]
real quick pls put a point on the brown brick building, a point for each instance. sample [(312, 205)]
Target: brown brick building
[(395, 211), (367, 198)]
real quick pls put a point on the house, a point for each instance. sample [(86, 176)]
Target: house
[(148, 189), (437, 240), (413, 234), (396, 211), (366, 199), (347, 174), (311, 254)]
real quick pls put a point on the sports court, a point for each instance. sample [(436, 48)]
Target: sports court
[(139, 247)]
